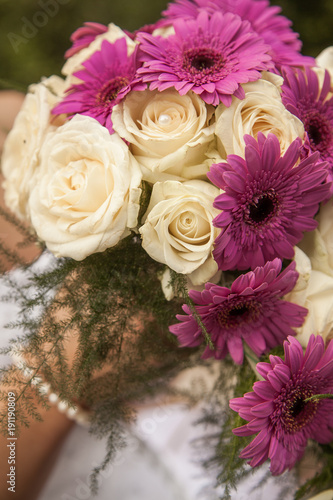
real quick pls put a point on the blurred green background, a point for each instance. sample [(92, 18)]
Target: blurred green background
[(34, 34)]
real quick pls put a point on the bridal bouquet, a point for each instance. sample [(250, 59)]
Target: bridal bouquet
[(188, 165)]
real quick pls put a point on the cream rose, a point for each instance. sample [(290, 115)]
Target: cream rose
[(261, 111), (74, 63), (20, 157), (164, 32), (87, 192), (325, 228), (324, 495), (325, 61), (314, 290), (178, 229), (318, 244), (169, 134)]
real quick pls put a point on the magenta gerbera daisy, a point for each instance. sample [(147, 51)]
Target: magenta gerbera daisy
[(312, 102), (83, 37), (265, 21), (107, 77), (211, 56), (267, 203), (280, 409), (251, 310)]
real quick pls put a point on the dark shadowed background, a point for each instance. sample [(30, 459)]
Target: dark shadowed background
[(34, 34)]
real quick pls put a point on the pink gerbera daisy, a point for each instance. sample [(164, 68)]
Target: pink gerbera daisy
[(265, 21), (267, 203), (106, 78), (83, 37), (312, 103), (251, 310), (280, 409), (211, 56)]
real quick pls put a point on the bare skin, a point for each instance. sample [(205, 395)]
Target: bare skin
[(35, 453)]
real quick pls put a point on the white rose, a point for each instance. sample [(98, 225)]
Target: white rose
[(74, 63), (168, 133), (87, 193), (21, 150), (325, 228), (164, 32), (314, 290), (318, 244), (324, 495), (325, 61), (261, 111), (178, 229)]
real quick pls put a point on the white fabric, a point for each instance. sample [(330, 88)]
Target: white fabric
[(160, 462)]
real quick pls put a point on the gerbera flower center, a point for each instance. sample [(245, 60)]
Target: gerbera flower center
[(297, 407), (238, 311), (298, 413), (235, 312), (202, 60), (111, 89), (292, 413), (319, 130), (261, 209)]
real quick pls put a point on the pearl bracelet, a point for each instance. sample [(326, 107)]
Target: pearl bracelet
[(73, 412)]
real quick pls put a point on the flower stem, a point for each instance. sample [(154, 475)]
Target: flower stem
[(315, 397)]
